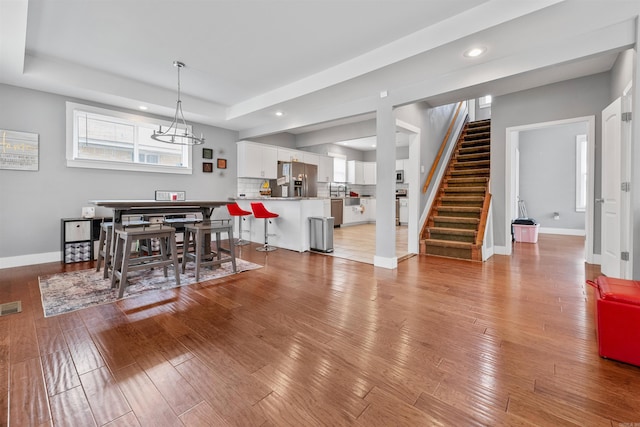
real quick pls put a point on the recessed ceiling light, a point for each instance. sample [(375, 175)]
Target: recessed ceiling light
[(474, 52), (279, 113), (143, 107)]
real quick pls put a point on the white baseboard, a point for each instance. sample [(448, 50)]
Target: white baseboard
[(19, 261), (594, 260), (390, 263), (502, 250), (563, 231), (487, 253)]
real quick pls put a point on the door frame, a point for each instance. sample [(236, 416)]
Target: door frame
[(413, 178), (512, 138)]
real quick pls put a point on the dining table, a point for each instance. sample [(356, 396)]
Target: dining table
[(159, 207)]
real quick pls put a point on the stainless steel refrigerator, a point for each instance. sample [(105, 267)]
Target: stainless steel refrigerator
[(295, 179)]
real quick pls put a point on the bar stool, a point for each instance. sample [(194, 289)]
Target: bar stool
[(196, 235), (123, 262), (235, 210), (105, 251), (260, 212)]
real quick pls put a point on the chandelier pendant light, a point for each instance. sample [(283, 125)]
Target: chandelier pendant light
[(173, 135)]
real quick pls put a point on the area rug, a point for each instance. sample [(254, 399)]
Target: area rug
[(66, 292)]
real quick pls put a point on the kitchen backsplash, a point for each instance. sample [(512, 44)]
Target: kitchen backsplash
[(250, 187)]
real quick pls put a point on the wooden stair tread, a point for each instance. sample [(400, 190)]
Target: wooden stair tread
[(448, 243), (449, 198), (468, 180), (454, 219), (469, 171), (454, 231), (467, 189), (446, 208), (473, 156)]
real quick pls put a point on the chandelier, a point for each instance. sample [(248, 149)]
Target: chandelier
[(173, 135)]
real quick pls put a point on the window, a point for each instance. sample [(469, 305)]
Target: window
[(106, 139), (339, 167), (484, 101), (581, 173)]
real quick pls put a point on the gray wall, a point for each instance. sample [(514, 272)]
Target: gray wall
[(548, 175), (34, 202), (585, 96)]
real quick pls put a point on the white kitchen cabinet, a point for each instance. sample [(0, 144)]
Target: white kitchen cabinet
[(369, 173), (257, 160), (325, 169), (371, 209), (288, 155), (355, 172), (310, 158), (404, 210)]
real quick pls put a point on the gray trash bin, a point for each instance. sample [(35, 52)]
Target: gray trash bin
[(321, 238)]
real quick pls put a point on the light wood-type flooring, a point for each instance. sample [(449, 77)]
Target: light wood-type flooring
[(314, 340), (358, 242)]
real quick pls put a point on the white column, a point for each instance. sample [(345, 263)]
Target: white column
[(635, 160), (385, 185)]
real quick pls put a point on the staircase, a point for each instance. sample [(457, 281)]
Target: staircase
[(456, 222)]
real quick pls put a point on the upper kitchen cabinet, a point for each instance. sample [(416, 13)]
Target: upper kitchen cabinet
[(310, 158), (362, 173), (325, 169), (257, 160), (355, 172), (369, 173), (289, 155)]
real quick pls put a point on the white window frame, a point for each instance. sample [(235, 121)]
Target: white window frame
[(72, 139), (484, 101), (581, 172), (339, 160)]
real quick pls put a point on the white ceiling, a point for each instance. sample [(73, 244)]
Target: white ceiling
[(315, 60)]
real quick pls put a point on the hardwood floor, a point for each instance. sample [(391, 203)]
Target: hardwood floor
[(313, 340), (358, 242)]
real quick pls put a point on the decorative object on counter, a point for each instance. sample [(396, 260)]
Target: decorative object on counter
[(265, 190), (173, 135), (222, 163), (207, 153), (163, 195), (18, 150), (71, 291), (260, 212), (207, 167)]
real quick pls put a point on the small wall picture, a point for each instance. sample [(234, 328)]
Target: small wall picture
[(207, 167), (222, 163), (207, 153), (18, 150)]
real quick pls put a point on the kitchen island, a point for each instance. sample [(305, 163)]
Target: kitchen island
[(291, 229)]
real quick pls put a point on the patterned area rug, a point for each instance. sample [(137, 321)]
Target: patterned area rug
[(66, 292)]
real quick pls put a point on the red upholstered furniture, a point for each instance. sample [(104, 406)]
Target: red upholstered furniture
[(235, 210), (259, 211), (618, 319)]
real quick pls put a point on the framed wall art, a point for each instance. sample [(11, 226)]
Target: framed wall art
[(19, 150), (207, 153), (207, 167), (222, 163)]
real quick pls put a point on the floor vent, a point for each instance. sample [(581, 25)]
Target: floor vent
[(10, 308)]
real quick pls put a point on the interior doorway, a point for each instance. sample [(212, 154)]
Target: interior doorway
[(512, 177)]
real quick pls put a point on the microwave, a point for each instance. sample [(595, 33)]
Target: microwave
[(399, 176)]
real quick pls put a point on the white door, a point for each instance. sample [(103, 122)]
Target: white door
[(611, 168)]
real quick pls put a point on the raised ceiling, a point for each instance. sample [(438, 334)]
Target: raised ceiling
[(315, 60)]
